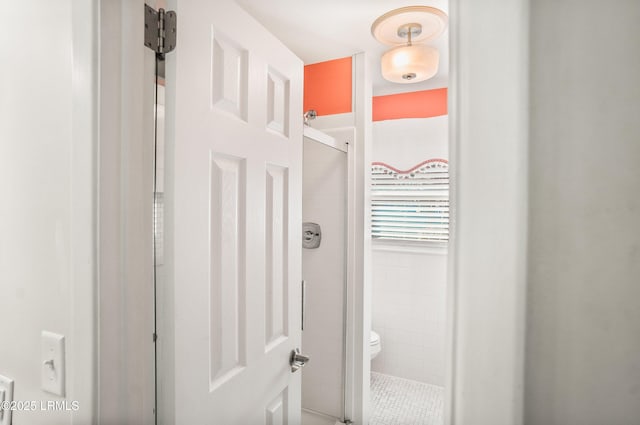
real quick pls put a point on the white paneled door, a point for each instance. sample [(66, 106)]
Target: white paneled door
[(237, 161)]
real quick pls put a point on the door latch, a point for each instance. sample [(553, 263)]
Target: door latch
[(297, 360)]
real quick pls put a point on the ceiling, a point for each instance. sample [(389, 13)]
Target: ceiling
[(317, 31)]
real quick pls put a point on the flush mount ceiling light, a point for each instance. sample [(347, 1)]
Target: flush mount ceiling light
[(408, 28)]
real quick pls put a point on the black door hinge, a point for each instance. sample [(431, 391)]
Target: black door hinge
[(159, 30)]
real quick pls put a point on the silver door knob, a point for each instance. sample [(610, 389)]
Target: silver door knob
[(297, 360)]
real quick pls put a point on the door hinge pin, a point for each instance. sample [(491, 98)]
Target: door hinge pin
[(159, 30)]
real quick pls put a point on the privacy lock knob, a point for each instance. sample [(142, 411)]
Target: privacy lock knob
[(297, 360)]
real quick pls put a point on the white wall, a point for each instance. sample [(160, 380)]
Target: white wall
[(406, 142), (583, 339), (409, 286), (47, 209)]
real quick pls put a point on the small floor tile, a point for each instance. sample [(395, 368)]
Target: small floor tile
[(397, 401)]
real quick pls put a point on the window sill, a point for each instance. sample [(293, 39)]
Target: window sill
[(432, 248)]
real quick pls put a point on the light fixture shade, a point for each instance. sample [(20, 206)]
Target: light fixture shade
[(410, 64)]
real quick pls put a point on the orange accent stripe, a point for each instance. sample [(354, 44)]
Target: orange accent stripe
[(418, 104), (327, 87)]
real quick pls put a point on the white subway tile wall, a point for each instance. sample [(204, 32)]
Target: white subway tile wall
[(409, 296)]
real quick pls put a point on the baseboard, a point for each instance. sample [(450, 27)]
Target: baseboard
[(321, 418)]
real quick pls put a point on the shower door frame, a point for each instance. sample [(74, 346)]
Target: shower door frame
[(344, 148)]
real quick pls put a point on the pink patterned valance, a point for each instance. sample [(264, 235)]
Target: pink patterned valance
[(421, 168)]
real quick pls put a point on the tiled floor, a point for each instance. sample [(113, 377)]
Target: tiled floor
[(398, 401)]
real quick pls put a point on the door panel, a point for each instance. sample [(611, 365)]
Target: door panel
[(237, 157), (276, 314), (227, 304)]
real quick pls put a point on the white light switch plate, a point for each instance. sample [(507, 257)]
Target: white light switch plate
[(52, 363), (6, 394)]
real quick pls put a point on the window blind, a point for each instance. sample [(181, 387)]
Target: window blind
[(410, 205)]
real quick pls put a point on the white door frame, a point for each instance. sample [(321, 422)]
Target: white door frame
[(488, 108), (82, 348), (358, 364), (488, 148), (125, 382)]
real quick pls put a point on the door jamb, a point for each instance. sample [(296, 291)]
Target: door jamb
[(488, 143), (125, 381), (359, 247)]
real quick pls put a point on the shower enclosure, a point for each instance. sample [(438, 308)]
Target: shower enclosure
[(324, 214)]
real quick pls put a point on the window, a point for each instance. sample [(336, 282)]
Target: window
[(411, 205)]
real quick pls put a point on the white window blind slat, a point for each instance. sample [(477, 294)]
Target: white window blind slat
[(410, 219), (411, 205), (411, 226)]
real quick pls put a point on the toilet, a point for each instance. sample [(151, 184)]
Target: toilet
[(374, 344)]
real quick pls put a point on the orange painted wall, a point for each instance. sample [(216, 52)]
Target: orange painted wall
[(327, 87), (418, 104)]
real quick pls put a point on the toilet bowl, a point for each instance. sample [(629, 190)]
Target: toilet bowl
[(375, 345)]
